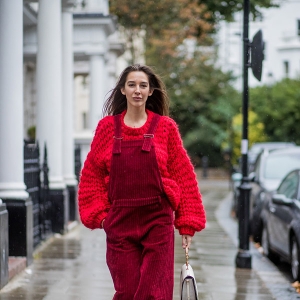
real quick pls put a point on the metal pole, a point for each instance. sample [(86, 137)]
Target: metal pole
[(243, 258)]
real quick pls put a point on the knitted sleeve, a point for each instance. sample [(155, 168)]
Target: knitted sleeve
[(92, 194), (190, 215)]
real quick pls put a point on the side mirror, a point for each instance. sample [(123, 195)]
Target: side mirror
[(236, 177), (281, 199)]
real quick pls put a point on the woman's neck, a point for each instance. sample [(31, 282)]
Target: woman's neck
[(135, 118)]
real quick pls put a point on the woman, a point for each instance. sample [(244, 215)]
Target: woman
[(136, 175)]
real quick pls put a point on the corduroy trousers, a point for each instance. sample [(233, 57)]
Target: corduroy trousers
[(139, 225)]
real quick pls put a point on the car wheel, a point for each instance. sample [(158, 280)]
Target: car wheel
[(295, 259), (266, 246)]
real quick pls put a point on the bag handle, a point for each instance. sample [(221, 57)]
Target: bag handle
[(187, 257)]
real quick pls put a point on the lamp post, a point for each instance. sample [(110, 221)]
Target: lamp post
[(243, 258)]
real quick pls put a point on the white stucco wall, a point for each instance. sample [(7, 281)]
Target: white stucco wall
[(99, 6)]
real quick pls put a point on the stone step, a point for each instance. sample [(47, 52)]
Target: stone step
[(16, 265)]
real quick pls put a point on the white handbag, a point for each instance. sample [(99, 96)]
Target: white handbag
[(188, 287)]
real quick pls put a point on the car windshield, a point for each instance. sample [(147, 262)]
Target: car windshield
[(278, 166), (256, 149)]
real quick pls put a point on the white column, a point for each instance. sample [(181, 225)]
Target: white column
[(68, 106), (97, 89), (11, 100), (111, 68), (49, 87)]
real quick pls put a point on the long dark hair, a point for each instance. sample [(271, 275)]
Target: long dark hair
[(158, 102)]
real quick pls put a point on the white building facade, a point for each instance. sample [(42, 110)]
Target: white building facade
[(45, 46), (281, 34)]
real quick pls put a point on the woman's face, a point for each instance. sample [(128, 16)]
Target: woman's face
[(136, 89)]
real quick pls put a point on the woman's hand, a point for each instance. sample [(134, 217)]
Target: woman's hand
[(186, 241)]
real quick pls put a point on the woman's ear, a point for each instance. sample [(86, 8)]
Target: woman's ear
[(122, 91), (150, 92)]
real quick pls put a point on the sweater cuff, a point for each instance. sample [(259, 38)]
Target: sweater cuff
[(186, 231)]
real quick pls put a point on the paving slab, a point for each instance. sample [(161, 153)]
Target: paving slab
[(73, 266)]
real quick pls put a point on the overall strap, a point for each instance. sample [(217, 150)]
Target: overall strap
[(150, 134), (117, 134)]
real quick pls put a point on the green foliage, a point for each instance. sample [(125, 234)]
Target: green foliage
[(278, 108), (165, 23), (203, 103), (31, 132), (137, 14), (224, 10), (256, 133)]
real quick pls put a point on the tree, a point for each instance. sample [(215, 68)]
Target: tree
[(165, 23), (176, 36), (168, 22), (224, 10), (203, 103), (278, 108)]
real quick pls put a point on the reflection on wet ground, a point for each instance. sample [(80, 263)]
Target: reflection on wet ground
[(213, 259), (73, 266)]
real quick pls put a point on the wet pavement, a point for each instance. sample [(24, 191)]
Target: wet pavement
[(73, 266)]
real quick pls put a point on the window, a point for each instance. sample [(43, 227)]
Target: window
[(287, 163), (257, 168), (289, 186), (286, 68), (84, 120)]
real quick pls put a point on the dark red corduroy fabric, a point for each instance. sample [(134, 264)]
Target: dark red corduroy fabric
[(139, 225)]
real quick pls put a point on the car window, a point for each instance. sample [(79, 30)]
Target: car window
[(256, 149), (289, 186), (277, 167)]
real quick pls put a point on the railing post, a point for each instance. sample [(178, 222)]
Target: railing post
[(45, 194), (32, 182), (77, 161)]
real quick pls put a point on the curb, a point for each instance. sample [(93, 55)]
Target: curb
[(278, 285)]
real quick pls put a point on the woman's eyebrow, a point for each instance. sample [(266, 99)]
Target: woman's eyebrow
[(131, 81)]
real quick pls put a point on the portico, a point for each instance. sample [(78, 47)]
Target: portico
[(38, 47)]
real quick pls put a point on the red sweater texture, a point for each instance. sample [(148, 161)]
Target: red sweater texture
[(176, 170)]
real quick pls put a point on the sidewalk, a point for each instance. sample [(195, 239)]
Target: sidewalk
[(73, 266)]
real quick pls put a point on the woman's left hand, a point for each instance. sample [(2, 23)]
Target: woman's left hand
[(186, 241)]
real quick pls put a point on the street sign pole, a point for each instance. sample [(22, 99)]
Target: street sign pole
[(243, 258)]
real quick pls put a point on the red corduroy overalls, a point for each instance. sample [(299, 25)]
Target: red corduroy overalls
[(139, 224)]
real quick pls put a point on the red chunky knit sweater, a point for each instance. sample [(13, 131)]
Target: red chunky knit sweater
[(177, 173)]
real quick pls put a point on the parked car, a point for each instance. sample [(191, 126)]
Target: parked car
[(281, 223), (270, 168), (257, 148), (253, 155)]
